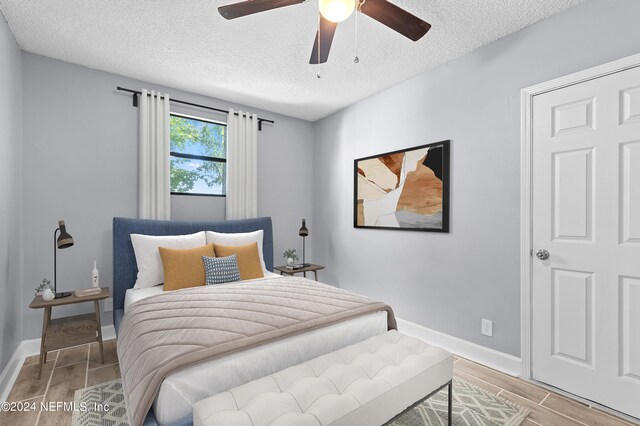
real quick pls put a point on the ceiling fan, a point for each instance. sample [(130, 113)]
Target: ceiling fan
[(334, 11)]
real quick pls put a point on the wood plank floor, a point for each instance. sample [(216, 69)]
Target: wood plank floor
[(71, 369), (547, 408), (66, 371)]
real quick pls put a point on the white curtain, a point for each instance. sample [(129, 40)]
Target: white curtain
[(242, 165), (154, 177)]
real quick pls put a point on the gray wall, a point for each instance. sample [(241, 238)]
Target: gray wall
[(448, 282), (80, 164), (10, 201)]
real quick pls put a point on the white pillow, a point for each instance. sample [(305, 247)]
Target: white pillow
[(238, 239), (150, 272)]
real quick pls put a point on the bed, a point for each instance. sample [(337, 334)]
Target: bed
[(179, 390)]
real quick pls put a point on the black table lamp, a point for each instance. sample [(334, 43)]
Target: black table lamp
[(304, 232), (63, 241)]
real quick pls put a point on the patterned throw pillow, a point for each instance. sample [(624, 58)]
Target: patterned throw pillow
[(221, 269)]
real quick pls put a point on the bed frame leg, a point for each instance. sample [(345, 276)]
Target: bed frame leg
[(450, 391)]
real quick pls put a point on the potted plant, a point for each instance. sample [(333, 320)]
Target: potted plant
[(46, 290), (291, 256)]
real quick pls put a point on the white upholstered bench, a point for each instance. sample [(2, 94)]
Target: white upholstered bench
[(363, 384)]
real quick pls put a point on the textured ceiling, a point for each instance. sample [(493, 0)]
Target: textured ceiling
[(261, 60)]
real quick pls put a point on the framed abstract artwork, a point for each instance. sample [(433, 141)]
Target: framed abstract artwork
[(406, 189)]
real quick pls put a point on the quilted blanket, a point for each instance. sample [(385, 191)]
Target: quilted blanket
[(162, 334)]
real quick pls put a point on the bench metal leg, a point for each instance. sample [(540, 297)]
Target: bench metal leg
[(450, 391)]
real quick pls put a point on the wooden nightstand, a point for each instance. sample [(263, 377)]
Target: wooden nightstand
[(69, 331), (311, 268)]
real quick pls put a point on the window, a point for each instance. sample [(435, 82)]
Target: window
[(198, 156)]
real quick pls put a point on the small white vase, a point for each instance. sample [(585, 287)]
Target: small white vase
[(48, 295), (290, 261)]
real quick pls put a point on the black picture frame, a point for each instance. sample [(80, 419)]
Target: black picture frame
[(444, 172)]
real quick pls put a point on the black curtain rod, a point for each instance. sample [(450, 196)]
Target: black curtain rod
[(137, 92)]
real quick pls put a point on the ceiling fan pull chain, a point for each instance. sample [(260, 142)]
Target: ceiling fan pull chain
[(358, 9), (319, 38), (356, 59)]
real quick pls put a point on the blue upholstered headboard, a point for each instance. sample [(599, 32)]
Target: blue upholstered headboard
[(125, 268)]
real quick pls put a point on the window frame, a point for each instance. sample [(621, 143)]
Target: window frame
[(199, 157)]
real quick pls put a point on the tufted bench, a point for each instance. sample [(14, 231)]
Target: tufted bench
[(363, 384)]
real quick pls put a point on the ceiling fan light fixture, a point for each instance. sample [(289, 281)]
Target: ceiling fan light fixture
[(336, 10)]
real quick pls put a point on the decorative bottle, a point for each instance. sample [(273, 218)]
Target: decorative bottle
[(95, 276)]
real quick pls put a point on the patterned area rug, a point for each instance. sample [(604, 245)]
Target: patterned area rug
[(472, 406), (104, 403)]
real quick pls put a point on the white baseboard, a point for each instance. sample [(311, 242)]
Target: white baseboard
[(11, 370), (28, 348), (500, 361)]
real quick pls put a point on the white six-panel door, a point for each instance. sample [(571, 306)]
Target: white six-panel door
[(586, 215)]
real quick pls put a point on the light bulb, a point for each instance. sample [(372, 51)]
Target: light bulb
[(336, 10)]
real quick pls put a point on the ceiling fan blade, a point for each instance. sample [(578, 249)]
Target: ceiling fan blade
[(396, 18), (249, 7), (324, 37)]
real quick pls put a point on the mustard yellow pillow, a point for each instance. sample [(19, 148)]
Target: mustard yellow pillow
[(248, 259), (184, 268)]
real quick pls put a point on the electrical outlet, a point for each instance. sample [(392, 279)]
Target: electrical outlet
[(487, 327), (108, 304)]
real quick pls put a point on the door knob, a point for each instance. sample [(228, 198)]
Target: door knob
[(542, 254)]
